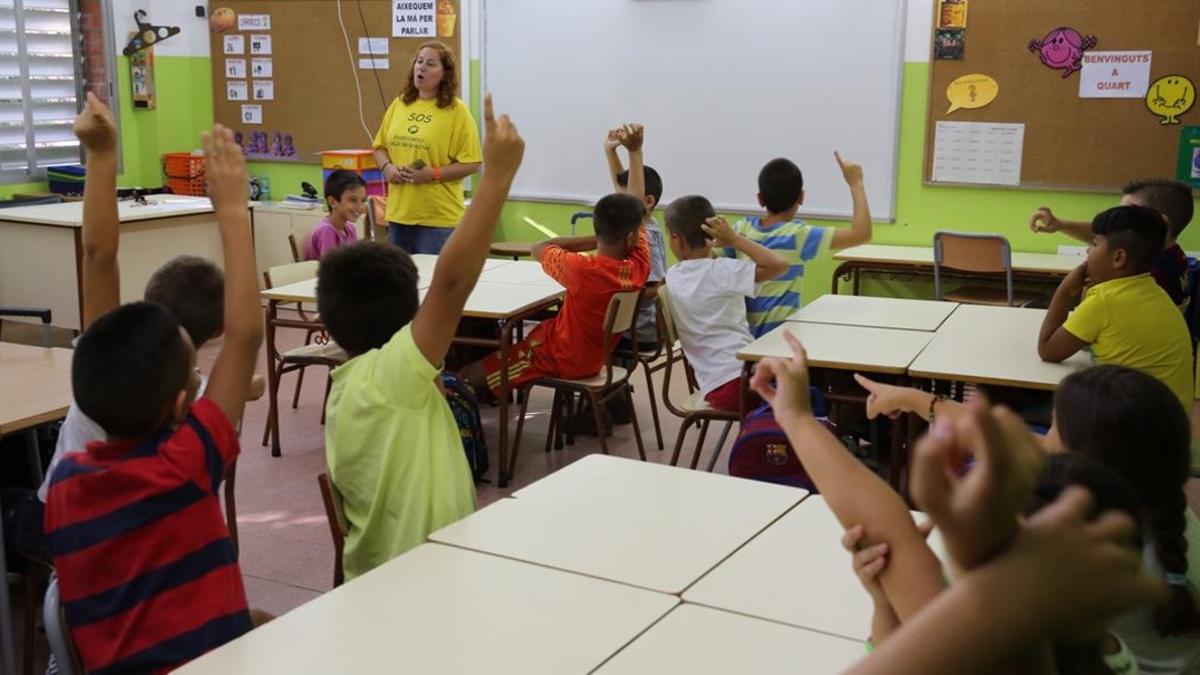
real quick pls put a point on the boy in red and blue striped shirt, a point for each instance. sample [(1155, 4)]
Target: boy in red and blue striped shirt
[(147, 573)]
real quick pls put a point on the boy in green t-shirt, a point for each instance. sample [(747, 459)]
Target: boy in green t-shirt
[(393, 448)]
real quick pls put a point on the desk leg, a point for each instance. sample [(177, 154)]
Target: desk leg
[(8, 655), (272, 379), (35, 456)]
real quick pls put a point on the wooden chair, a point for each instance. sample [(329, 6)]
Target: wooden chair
[(693, 409), (977, 254), (652, 360), (296, 257), (511, 249), (58, 633), (339, 527), (598, 389), (320, 353)]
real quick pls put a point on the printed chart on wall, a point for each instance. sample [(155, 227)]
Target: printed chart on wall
[(1068, 95), (291, 84)]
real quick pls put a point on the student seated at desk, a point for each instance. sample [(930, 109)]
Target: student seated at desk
[(975, 507), (1126, 421), (391, 442), (1170, 198), (781, 192), (570, 345), (708, 296), (147, 572), (1125, 318), (346, 197)]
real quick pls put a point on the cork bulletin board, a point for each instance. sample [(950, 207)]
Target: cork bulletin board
[(287, 68), (1070, 142)]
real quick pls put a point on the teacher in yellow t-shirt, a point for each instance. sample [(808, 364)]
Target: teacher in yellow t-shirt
[(428, 142)]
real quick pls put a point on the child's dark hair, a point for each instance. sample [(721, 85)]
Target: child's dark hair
[(1139, 230), (1110, 492), (1171, 198), (1135, 425), (616, 215), (366, 292), (339, 181), (653, 183), (193, 290), (685, 215), (780, 185), (129, 366)]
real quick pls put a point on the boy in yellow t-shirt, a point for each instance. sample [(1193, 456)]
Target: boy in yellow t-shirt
[(1125, 318), (391, 443)]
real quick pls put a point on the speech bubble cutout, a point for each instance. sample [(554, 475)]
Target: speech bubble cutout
[(971, 91)]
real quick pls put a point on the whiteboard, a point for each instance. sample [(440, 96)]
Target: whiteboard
[(723, 86)]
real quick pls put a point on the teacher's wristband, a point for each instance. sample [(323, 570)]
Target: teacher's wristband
[(437, 174)]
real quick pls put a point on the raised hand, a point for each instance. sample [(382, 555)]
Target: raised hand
[(885, 399), (783, 383), (225, 169), (503, 146), (719, 231), (631, 136), (1044, 220), (851, 172), (612, 139), (94, 126), (976, 506)]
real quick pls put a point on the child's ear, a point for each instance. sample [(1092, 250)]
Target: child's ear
[(330, 202), (651, 202), (760, 200), (801, 200), (179, 408), (1119, 257)]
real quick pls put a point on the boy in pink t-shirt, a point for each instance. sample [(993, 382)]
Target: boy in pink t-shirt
[(346, 197)]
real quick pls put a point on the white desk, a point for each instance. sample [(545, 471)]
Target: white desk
[(438, 609), (858, 348), (649, 525), (494, 300), (520, 272), (993, 345), (796, 572), (1048, 263), (702, 641), (861, 310), (41, 250)]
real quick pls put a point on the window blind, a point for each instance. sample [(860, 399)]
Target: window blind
[(39, 86)]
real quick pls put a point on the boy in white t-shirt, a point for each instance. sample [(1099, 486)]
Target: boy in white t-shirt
[(708, 295)]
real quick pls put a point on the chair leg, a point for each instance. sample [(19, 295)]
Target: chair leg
[(687, 422), (516, 444), (571, 410), (552, 427), (700, 444), (653, 406), (598, 415), (299, 383), (637, 431), (712, 461)]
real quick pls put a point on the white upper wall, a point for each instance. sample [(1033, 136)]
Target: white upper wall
[(919, 30)]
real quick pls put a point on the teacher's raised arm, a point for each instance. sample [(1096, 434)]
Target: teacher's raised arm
[(427, 144)]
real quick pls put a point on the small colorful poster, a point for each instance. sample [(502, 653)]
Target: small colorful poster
[(254, 22), (949, 45), (260, 45), (1115, 74), (252, 114), (952, 14), (262, 67), (1188, 169), (235, 44), (235, 68), (414, 18)]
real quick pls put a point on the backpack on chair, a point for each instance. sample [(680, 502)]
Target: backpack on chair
[(762, 451), (465, 406)]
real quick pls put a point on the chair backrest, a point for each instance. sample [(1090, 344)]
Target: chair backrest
[(282, 275), (969, 252), (296, 256), (578, 216), (622, 309), (670, 335), (339, 527), (58, 633)]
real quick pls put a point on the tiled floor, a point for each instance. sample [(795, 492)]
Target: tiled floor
[(286, 552)]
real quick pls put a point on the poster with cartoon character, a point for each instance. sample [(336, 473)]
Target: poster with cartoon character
[(1171, 96), (1062, 49)]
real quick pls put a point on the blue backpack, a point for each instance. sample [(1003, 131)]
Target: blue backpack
[(465, 406), (762, 451)]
